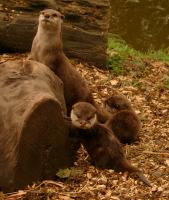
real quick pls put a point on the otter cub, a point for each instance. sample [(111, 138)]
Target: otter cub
[(83, 115), (103, 147), (47, 49), (117, 103), (124, 122)]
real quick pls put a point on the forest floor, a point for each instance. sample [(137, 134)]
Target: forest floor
[(148, 91)]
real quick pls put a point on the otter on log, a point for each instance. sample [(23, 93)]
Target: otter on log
[(47, 49), (103, 147), (124, 123)]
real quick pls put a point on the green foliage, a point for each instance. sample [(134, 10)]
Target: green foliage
[(115, 64), (69, 172), (119, 52), (162, 55), (166, 82), (134, 1), (121, 47), (64, 173), (134, 82)]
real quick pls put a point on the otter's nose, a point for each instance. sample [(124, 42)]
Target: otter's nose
[(83, 123), (46, 15)]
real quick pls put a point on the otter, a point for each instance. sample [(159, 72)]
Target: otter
[(124, 123), (117, 103), (47, 48), (83, 115), (103, 147)]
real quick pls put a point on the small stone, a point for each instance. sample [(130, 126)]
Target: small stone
[(154, 188), (65, 197), (94, 179), (115, 198), (114, 82), (167, 162), (115, 182), (160, 189), (135, 191), (108, 193), (101, 187), (89, 176), (111, 170), (103, 180)]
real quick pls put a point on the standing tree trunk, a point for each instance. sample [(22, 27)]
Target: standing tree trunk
[(34, 140), (84, 31)]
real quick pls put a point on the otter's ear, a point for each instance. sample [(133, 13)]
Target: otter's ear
[(41, 12)]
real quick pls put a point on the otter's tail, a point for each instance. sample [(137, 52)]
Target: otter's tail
[(126, 166), (143, 178)]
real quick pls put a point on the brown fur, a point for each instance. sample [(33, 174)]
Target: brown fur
[(124, 123), (104, 148), (117, 103), (47, 49)]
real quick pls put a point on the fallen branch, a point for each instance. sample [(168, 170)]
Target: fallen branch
[(156, 153), (49, 182)]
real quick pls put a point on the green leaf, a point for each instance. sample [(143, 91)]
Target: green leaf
[(64, 173), (69, 172), (134, 1)]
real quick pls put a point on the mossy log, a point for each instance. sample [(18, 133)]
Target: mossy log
[(34, 138), (84, 31)]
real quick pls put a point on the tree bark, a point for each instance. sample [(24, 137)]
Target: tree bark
[(34, 140), (84, 31)]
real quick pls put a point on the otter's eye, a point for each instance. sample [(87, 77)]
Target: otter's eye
[(42, 12), (54, 15), (89, 118), (116, 106)]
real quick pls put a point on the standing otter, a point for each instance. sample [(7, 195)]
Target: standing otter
[(124, 123), (103, 147), (47, 49)]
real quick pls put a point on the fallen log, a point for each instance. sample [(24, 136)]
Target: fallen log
[(84, 31), (34, 140)]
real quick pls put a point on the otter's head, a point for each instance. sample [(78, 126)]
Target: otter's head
[(83, 115), (50, 19), (117, 103)]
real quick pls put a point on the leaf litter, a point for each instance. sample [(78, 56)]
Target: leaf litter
[(150, 99)]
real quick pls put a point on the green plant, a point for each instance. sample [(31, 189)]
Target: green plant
[(119, 46), (166, 82), (161, 55), (115, 64)]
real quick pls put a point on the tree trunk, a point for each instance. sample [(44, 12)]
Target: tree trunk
[(34, 140), (84, 31)]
